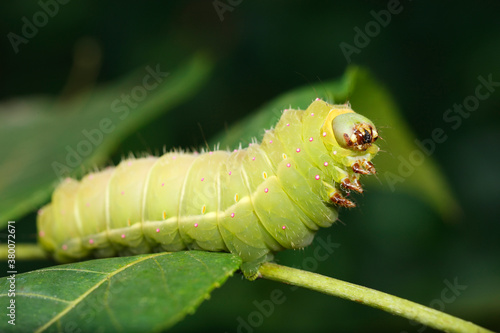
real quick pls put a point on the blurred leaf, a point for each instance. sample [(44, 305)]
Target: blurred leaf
[(131, 294), (268, 115), (370, 98), (40, 136), (421, 176)]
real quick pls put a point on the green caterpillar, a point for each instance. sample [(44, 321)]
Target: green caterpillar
[(251, 202)]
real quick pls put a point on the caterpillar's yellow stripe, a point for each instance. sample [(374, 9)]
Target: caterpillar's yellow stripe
[(251, 202)]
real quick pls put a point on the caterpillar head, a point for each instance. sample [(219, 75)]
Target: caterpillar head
[(350, 138), (353, 131), (349, 134)]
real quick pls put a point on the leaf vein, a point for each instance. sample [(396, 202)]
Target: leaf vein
[(112, 316), (42, 296), (164, 278), (66, 269)]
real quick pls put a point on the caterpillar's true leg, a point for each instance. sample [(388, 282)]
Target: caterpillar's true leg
[(365, 168), (369, 166), (338, 199), (353, 185), (334, 195), (358, 169)]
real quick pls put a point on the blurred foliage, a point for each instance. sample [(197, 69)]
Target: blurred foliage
[(78, 134), (429, 57)]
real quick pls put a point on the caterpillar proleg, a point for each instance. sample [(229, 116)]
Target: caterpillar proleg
[(251, 202)]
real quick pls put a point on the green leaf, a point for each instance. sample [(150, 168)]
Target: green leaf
[(37, 133), (130, 294), (370, 98)]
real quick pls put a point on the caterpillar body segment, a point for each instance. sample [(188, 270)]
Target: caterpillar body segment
[(251, 202)]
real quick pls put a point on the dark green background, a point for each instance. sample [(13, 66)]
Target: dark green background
[(429, 57)]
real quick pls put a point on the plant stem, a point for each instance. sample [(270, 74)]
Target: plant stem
[(23, 252), (392, 304)]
